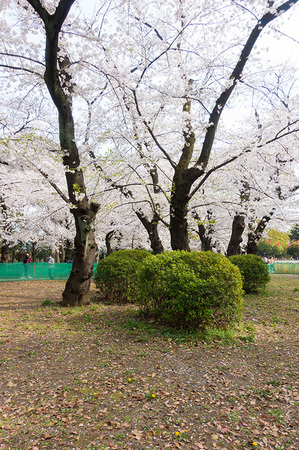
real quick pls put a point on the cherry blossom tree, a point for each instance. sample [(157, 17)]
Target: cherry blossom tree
[(60, 85), (177, 87), (34, 201), (132, 192)]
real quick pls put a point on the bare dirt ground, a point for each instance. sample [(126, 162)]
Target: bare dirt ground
[(99, 378)]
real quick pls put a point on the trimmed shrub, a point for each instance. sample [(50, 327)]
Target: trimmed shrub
[(116, 277), (190, 289), (254, 271)]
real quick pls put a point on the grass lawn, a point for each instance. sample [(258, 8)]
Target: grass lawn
[(99, 378)]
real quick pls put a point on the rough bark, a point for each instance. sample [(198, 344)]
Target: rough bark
[(60, 87), (204, 239), (5, 252), (68, 251), (56, 256), (77, 287), (178, 218), (238, 227), (151, 227), (108, 238), (62, 253), (5, 247), (255, 235), (182, 181), (205, 232)]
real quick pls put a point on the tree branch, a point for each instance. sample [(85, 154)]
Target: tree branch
[(246, 150), (213, 169), (22, 69), (236, 76), (151, 27), (152, 133), (12, 55), (46, 176), (279, 135)]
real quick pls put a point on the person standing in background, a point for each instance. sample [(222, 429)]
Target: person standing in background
[(26, 261), (51, 267)]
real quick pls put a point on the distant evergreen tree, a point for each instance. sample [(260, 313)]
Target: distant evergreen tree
[(294, 235)]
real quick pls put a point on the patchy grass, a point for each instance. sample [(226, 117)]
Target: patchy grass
[(101, 378)]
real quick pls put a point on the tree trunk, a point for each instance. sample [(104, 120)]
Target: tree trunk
[(205, 232), (179, 226), (204, 238), (56, 256), (251, 245), (183, 179), (255, 235), (152, 231), (62, 253), (238, 227), (108, 238), (77, 286), (60, 86), (33, 246), (7, 229), (5, 256), (68, 251)]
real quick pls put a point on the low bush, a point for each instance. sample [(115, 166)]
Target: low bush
[(254, 271), (116, 277), (190, 289)]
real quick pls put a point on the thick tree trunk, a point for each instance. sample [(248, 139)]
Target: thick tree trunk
[(67, 251), (255, 235), (57, 256), (5, 252), (181, 186), (108, 238), (238, 227), (251, 245), (156, 243), (178, 222), (77, 287), (183, 179), (204, 238), (205, 232), (152, 231), (62, 253)]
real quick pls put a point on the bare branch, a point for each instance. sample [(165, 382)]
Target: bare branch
[(280, 134), (213, 169), (46, 177), (151, 27), (12, 55), (22, 69), (152, 133)]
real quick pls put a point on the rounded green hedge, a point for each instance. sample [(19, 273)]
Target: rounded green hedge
[(254, 271), (116, 275), (190, 289)]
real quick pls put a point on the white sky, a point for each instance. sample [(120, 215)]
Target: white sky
[(286, 47)]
